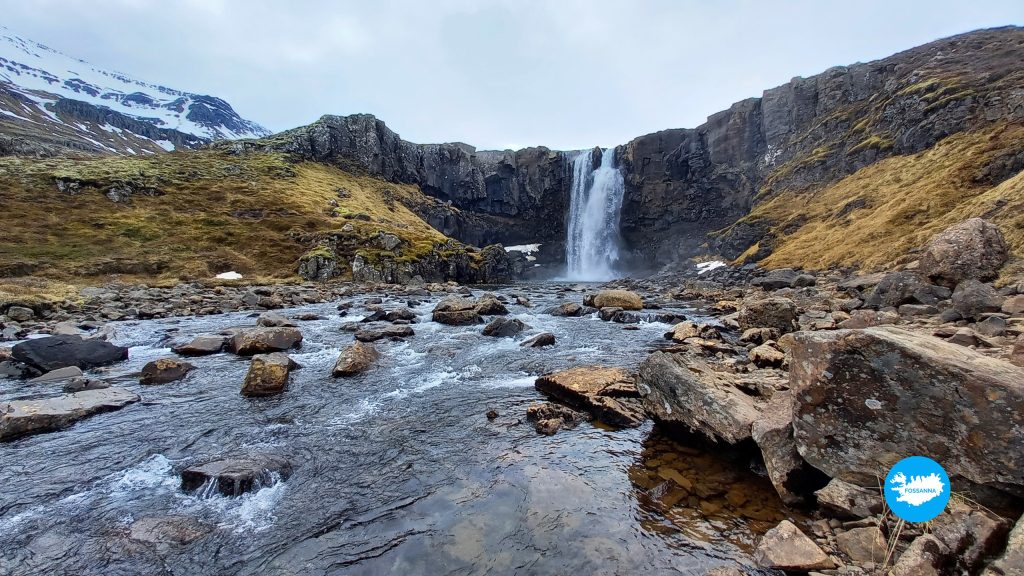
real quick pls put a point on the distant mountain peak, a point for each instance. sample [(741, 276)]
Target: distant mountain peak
[(34, 79)]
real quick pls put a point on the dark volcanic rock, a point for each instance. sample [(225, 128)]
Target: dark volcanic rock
[(55, 352), (858, 393), (540, 340), (164, 370), (504, 327), (236, 476)]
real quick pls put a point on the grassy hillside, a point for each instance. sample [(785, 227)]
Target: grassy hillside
[(875, 217), (188, 215)]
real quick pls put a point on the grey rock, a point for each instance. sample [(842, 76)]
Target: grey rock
[(58, 375), (785, 547), (973, 249), (504, 327), (236, 476), (24, 417), (973, 298), (540, 340), (847, 501)]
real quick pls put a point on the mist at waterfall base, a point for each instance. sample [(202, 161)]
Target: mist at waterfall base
[(593, 242)]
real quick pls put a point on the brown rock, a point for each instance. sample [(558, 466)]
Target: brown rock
[(608, 393), (540, 340), (268, 374), (902, 389), (1012, 559), (24, 417), (164, 370), (201, 346), (176, 530), (389, 332), (355, 359), (868, 318), (759, 335), (974, 249), (1014, 305), (250, 341), (549, 418), (844, 500), (773, 433), (455, 311), (777, 313), (971, 535), (785, 547), (618, 299), (926, 556), (767, 355), (683, 330), (690, 392), (863, 544)]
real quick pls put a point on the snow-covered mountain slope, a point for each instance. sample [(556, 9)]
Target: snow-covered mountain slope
[(49, 99)]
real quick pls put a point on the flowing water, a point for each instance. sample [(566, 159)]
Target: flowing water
[(592, 245), (396, 470)]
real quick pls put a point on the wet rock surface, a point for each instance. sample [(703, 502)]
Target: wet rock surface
[(609, 394), (54, 352), (236, 476), (20, 418), (165, 370)]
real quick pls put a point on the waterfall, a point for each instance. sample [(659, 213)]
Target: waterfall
[(592, 245)]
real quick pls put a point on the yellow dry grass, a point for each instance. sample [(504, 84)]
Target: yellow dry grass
[(253, 213), (907, 199)]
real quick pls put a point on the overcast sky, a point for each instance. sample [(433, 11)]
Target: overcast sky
[(496, 74)]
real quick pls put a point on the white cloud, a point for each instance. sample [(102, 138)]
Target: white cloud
[(567, 74)]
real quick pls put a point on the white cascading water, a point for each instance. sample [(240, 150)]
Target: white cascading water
[(592, 246)]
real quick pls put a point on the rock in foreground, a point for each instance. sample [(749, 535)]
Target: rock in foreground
[(785, 547), (863, 399), (54, 352), (688, 391), (608, 393), (236, 476), (24, 417)]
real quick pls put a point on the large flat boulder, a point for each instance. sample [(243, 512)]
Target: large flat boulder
[(55, 352), (202, 345), (455, 311), (864, 399), (236, 476), (609, 394), (785, 547), (684, 390), (251, 341), (23, 417)]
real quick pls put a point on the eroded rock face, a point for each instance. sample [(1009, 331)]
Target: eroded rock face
[(236, 476), (23, 417), (355, 359), (864, 399), (688, 391), (250, 341), (973, 249), (610, 394), (53, 352), (773, 433)]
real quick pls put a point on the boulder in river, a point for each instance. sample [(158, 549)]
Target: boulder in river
[(863, 399), (504, 327), (53, 352), (389, 332), (202, 345), (57, 375), (274, 320), (165, 370), (609, 394), (567, 310), (688, 391), (489, 305), (356, 358), (455, 311), (540, 340), (23, 417), (250, 341), (268, 374), (785, 547), (400, 314), (624, 299), (548, 417), (973, 249), (236, 476), (167, 530)]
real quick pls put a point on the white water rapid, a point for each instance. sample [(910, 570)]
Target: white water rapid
[(592, 246)]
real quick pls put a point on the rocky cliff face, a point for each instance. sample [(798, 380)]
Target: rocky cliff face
[(803, 135), (688, 190)]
